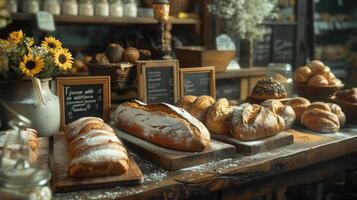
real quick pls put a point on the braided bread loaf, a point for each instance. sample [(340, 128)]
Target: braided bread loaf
[(94, 149)]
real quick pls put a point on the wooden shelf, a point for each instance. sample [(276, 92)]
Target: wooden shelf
[(97, 20), (241, 73)]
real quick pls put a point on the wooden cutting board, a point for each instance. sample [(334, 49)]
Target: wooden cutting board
[(173, 159), (257, 146), (61, 181)]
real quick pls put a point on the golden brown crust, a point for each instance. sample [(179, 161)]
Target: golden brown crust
[(302, 74), (336, 109), (253, 122), (186, 101), (299, 104), (318, 117), (347, 96), (285, 111), (200, 107), (218, 117), (164, 125), (318, 80), (318, 68), (268, 88)]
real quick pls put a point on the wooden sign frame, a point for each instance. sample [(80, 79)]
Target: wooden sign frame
[(141, 76), (196, 70), (84, 80)]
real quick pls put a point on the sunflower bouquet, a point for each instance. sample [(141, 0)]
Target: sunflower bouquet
[(20, 58)]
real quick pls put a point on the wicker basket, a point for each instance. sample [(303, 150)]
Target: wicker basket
[(122, 75), (315, 93)]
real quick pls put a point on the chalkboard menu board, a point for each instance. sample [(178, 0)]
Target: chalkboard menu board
[(263, 49), (197, 81), (284, 44), (157, 81), (83, 97)]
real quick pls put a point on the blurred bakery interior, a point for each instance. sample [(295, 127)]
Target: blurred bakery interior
[(293, 59)]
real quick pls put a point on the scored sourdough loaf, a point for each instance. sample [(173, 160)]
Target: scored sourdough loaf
[(163, 124), (94, 149)]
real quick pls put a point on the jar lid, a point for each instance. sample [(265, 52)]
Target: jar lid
[(19, 174)]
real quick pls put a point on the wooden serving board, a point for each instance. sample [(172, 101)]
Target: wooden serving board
[(257, 146), (62, 182), (173, 159)]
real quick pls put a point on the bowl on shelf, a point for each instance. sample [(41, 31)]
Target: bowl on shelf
[(316, 93), (122, 75)]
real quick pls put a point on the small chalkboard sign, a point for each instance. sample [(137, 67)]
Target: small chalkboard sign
[(45, 21), (284, 44), (83, 97), (198, 81), (157, 81)]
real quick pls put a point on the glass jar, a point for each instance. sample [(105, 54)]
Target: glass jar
[(102, 8), (116, 8), (69, 7), (52, 6), (86, 8), (130, 8), (12, 6), (282, 73), (30, 6)]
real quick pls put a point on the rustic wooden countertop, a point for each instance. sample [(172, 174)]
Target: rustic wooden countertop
[(269, 168)]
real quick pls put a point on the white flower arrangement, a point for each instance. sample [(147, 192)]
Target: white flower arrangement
[(244, 16)]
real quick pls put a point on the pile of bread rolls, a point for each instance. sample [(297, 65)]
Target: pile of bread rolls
[(317, 74), (244, 122)]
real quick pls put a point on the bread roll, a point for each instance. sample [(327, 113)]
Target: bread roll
[(347, 96), (200, 106), (317, 80), (302, 74), (218, 117), (285, 111), (163, 124), (318, 68), (253, 122), (94, 150), (299, 104), (186, 101), (318, 117), (336, 109), (268, 88)]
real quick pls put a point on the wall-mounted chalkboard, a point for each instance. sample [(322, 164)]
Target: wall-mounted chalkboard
[(263, 49), (197, 81), (83, 97), (284, 40), (157, 81)]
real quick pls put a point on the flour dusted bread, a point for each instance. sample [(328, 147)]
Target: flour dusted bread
[(253, 122), (94, 149), (218, 117), (299, 104), (163, 124), (285, 111)]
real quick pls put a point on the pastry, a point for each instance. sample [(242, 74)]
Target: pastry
[(299, 104), (200, 106), (318, 117), (302, 74), (253, 122), (186, 101), (162, 124), (318, 80), (336, 109), (347, 96), (131, 54), (268, 88), (218, 117), (94, 152), (285, 111), (100, 59), (318, 68), (114, 52)]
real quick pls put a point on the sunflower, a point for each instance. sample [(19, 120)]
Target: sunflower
[(16, 36), (63, 59), (32, 65), (51, 44)]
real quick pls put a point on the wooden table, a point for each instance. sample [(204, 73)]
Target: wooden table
[(312, 157)]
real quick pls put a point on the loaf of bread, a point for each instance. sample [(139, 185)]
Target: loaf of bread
[(29, 136), (299, 104), (163, 124), (253, 122), (186, 101), (285, 111), (94, 149), (218, 117), (268, 88), (319, 117), (347, 96)]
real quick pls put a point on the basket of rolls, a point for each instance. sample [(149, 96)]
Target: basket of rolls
[(315, 81), (347, 100)]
